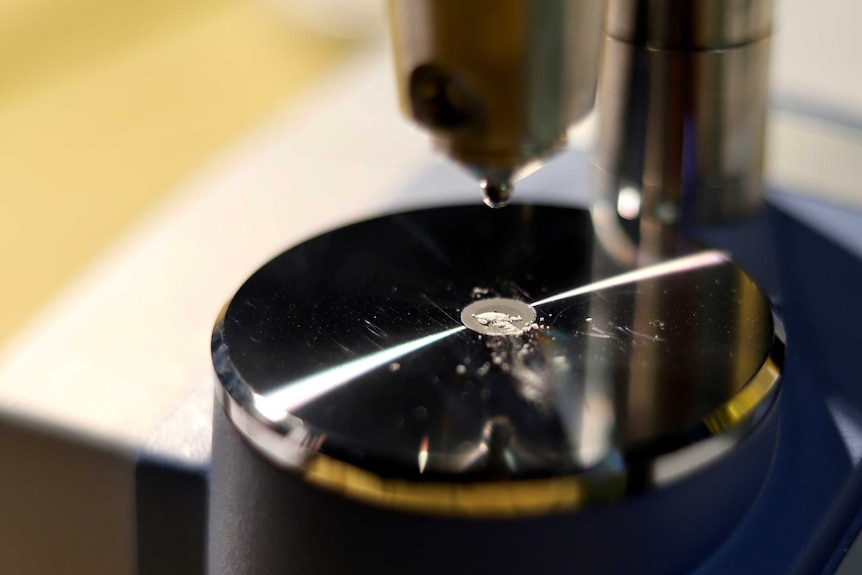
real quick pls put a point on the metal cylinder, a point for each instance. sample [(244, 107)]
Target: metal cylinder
[(386, 419), (497, 84), (682, 100)]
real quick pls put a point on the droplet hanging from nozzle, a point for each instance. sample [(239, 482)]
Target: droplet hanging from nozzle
[(496, 194)]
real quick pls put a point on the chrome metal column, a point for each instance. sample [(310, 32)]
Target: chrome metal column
[(682, 98)]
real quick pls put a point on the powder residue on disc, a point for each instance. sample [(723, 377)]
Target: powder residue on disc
[(498, 316)]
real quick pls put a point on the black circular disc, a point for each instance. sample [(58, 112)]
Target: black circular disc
[(361, 345)]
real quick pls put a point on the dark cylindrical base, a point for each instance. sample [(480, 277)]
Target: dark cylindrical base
[(266, 520)]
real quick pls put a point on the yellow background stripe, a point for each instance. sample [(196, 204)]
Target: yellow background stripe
[(106, 106)]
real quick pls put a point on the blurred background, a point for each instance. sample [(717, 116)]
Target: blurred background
[(107, 106)]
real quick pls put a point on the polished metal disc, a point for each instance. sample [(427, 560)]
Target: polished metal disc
[(465, 346)]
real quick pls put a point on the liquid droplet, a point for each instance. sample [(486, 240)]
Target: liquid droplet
[(496, 194)]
